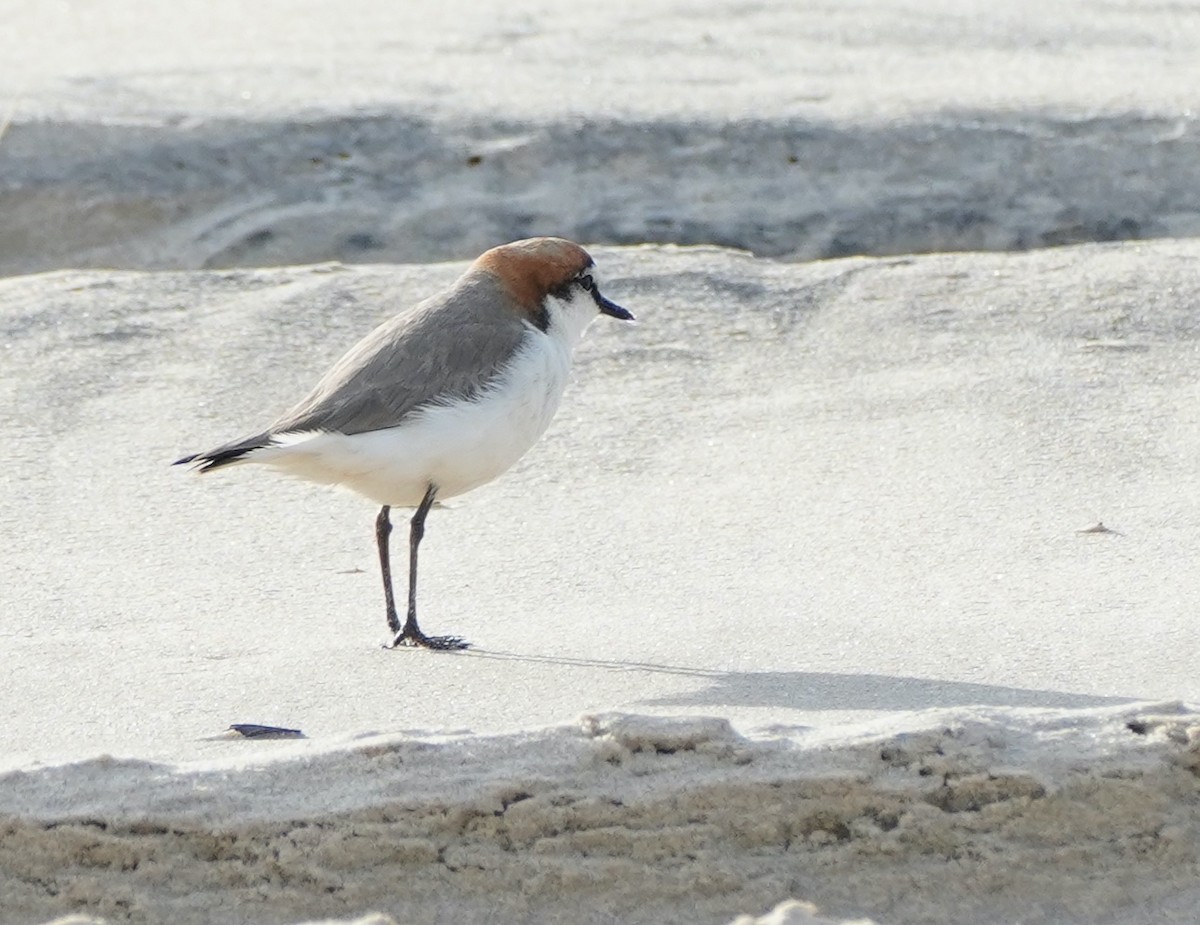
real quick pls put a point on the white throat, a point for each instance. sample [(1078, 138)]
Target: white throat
[(570, 317)]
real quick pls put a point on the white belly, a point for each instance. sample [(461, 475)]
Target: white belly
[(456, 447)]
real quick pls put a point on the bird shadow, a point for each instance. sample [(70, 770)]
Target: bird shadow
[(819, 690)]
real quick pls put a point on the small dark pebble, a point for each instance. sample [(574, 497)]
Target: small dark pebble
[(1138, 727), (254, 731)]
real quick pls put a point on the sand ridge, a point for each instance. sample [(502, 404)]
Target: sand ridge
[(1038, 815)]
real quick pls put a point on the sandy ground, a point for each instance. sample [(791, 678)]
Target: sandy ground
[(535, 61), (792, 493), (802, 597), (985, 815), (705, 531)]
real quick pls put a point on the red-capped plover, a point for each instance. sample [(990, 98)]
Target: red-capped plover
[(439, 399)]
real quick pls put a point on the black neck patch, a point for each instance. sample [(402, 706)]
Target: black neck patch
[(541, 318)]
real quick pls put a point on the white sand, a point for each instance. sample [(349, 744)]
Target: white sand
[(793, 494), (796, 603), (535, 60)]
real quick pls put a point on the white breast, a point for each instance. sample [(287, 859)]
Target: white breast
[(456, 446)]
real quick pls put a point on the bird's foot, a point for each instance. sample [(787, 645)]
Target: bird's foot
[(411, 637)]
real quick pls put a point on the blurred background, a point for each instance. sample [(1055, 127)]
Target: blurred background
[(222, 133)]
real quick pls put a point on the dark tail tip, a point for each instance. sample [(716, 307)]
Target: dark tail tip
[(223, 455)]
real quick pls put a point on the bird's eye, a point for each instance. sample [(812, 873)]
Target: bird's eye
[(587, 283)]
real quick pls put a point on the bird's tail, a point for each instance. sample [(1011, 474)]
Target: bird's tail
[(229, 454)]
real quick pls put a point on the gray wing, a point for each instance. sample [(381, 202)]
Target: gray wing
[(450, 346)]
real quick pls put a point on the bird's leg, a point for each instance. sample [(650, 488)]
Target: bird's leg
[(411, 634), (383, 532)]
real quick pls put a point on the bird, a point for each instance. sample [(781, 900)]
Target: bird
[(439, 399)]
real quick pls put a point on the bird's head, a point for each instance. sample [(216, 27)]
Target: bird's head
[(554, 283)]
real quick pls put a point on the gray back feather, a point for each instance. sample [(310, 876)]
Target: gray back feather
[(449, 346)]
